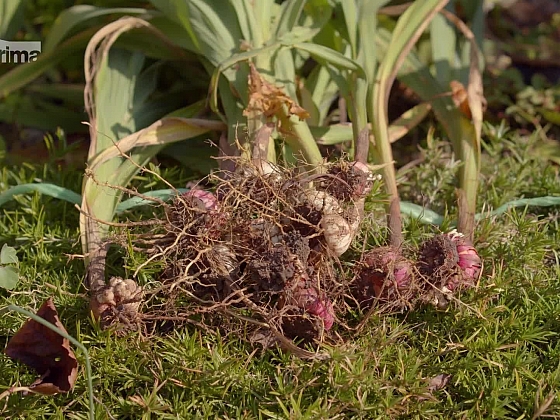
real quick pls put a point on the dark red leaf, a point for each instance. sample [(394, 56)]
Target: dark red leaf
[(45, 351)]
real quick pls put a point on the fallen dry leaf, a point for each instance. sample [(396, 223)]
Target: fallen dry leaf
[(267, 99), (438, 382), (45, 351)]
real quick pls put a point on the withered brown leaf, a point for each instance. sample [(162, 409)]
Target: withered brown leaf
[(460, 98), (438, 382), (45, 351), (267, 99)]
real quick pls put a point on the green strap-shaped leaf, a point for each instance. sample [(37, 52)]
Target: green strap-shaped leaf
[(46, 189), (11, 17), (328, 56), (428, 216), (75, 16), (26, 73), (163, 195), (250, 26), (423, 214), (289, 16)]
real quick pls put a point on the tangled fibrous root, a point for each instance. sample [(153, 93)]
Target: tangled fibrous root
[(261, 251)]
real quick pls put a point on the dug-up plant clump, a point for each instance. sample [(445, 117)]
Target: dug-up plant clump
[(258, 257)]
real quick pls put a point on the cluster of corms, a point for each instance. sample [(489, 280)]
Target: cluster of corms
[(442, 266), (323, 216), (445, 264)]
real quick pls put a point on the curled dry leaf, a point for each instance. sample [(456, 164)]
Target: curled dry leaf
[(45, 351), (267, 99), (460, 98), (438, 382)]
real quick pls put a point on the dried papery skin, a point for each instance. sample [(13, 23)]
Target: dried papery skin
[(266, 99), (338, 227), (120, 296), (366, 183), (321, 201), (268, 170), (223, 260), (337, 232)]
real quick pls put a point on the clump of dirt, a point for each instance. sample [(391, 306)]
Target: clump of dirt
[(349, 181)]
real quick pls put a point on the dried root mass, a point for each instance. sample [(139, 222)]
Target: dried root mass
[(259, 257), (261, 251)]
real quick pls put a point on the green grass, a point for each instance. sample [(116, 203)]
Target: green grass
[(501, 343)]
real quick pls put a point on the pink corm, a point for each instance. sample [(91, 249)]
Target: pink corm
[(323, 308), (316, 304), (469, 260), (204, 199), (381, 261)]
